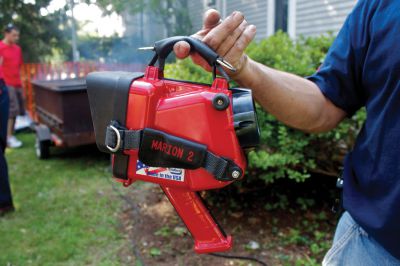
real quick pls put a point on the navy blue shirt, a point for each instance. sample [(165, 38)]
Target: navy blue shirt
[(362, 68)]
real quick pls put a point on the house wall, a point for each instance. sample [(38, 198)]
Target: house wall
[(305, 17), (317, 17)]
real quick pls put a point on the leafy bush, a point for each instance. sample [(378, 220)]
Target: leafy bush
[(286, 152)]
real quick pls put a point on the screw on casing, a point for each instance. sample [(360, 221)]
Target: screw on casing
[(236, 174), (221, 101)]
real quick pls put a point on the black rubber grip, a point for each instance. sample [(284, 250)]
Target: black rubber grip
[(164, 47)]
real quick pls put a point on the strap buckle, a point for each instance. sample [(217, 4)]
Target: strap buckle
[(119, 141)]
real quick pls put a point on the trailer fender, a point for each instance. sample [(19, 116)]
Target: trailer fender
[(43, 133)]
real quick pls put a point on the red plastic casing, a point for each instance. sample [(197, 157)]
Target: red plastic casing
[(185, 110)]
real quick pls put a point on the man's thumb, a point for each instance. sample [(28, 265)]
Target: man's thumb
[(182, 49)]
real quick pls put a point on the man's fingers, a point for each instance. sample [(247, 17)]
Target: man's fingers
[(198, 60), (240, 45), (231, 39), (182, 49), (228, 38), (211, 19), (217, 35)]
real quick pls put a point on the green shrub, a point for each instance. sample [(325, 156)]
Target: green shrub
[(286, 152)]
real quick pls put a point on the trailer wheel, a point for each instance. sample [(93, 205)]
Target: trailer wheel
[(43, 141), (42, 148)]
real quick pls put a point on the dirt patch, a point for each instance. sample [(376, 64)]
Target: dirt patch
[(280, 237)]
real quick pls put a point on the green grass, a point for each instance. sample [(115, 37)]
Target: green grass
[(66, 212)]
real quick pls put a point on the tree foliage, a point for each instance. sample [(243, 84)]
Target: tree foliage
[(41, 36), (286, 152)]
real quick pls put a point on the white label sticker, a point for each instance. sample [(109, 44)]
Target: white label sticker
[(175, 174)]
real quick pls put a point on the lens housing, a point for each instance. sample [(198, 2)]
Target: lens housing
[(245, 118)]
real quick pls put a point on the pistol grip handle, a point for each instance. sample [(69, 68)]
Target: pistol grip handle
[(208, 236)]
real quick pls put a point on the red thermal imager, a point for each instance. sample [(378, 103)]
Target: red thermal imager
[(184, 136)]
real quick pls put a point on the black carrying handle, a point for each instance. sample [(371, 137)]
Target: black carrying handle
[(165, 46)]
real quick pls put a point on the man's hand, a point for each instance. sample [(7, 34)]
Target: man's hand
[(293, 100), (229, 38)]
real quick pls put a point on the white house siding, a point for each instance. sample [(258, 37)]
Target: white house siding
[(314, 17)]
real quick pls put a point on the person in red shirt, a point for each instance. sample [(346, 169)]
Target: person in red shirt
[(12, 62)]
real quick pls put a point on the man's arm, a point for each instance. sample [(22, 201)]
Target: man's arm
[(293, 100)]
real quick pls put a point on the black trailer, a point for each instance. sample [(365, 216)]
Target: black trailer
[(62, 115)]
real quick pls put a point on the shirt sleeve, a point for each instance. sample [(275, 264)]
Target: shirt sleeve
[(340, 76)]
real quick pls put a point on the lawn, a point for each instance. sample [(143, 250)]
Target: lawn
[(66, 212)]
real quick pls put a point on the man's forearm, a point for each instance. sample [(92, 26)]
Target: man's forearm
[(293, 100)]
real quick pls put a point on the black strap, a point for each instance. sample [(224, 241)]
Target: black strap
[(216, 166), (129, 139), (125, 139)]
